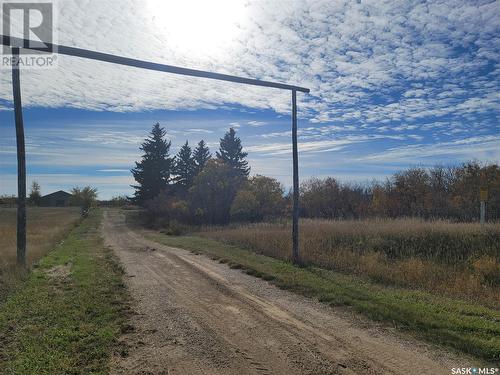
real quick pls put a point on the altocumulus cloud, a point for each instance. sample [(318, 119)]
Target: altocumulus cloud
[(367, 60)]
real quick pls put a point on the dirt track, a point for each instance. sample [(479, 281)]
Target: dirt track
[(196, 316)]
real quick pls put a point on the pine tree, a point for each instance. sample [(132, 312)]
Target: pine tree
[(184, 168), (230, 152), (153, 172), (201, 155)]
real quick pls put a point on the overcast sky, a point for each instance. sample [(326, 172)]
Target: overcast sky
[(393, 84)]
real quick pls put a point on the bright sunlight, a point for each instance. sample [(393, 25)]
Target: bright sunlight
[(199, 28)]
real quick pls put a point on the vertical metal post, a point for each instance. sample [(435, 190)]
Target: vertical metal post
[(295, 223), (483, 212), (21, 161)]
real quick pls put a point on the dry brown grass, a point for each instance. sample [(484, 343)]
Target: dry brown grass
[(453, 259), (46, 227)]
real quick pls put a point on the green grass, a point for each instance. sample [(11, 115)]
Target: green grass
[(470, 328), (66, 317), (46, 227)]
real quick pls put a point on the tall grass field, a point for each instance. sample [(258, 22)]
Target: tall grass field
[(45, 228), (456, 259)]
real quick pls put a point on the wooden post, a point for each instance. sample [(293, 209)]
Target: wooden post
[(21, 161), (295, 223)]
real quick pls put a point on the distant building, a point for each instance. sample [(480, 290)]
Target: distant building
[(57, 199)]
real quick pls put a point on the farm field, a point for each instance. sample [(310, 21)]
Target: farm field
[(45, 226), (455, 259)]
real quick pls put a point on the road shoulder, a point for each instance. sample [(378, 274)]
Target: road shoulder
[(68, 314)]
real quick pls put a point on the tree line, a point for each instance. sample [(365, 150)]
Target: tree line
[(197, 187), (439, 192)]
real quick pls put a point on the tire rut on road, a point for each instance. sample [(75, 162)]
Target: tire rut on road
[(196, 316)]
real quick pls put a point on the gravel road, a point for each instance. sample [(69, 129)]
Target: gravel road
[(196, 316)]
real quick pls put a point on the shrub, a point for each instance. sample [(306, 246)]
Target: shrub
[(85, 197), (245, 207), (488, 270), (260, 198), (163, 209)]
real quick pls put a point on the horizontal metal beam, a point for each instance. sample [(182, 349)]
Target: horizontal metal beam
[(120, 60)]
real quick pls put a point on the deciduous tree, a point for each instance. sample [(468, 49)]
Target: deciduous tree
[(260, 198), (35, 196), (213, 192), (85, 197)]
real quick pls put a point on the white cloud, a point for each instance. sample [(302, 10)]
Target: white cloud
[(349, 53), (321, 145), (483, 147), (257, 124), (113, 170)]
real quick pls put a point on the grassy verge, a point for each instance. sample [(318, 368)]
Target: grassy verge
[(67, 315), (46, 227), (454, 323)]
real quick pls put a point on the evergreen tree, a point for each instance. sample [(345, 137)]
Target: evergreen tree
[(153, 172), (184, 168), (230, 152), (201, 155)]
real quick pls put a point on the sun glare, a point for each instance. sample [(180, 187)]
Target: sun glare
[(199, 28)]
